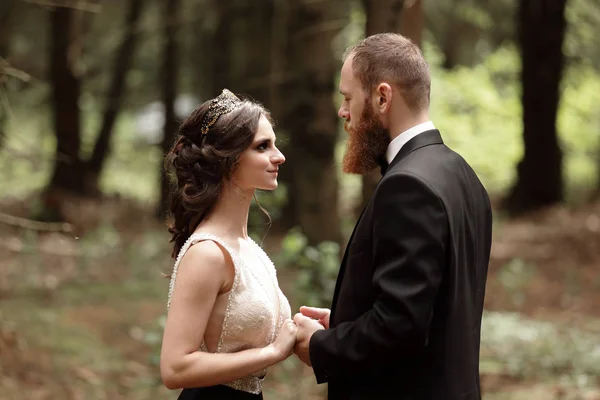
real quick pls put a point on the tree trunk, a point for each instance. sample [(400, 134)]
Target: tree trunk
[(451, 45), (460, 37), (114, 98), (199, 51), (382, 16), (169, 91), (255, 47), (221, 53), (278, 45), (541, 34), (412, 21), (68, 169), (309, 117)]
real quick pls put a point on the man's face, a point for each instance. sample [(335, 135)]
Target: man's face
[(368, 138), (354, 96)]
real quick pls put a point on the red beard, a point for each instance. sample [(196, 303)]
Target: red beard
[(368, 141)]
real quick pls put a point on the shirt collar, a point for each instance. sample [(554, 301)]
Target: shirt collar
[(403, 138)]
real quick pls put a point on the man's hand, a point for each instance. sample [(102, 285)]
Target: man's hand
[(320, 314), (306, 328)]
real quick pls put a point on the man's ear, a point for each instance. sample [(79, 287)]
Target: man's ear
[(383, 98)]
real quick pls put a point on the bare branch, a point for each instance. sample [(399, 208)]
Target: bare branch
[(20, 248), (35, 225), (82, 5), (16, 73), (7, 69)]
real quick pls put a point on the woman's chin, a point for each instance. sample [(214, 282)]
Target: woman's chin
[(269, 186)]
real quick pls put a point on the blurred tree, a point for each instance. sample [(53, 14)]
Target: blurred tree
[(277, 71), (170, 59), (6, 21), (222, 48), (252, 51), (402, 16), (6, 12), (309, 117), (582, 44), (199, 54), (467, 31), (114, 98), (71, 172), (244, 39), (412, 21), (541, 33), (381, 16), (68, 171)]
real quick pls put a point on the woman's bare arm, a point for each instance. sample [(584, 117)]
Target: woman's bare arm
[(205, 271)]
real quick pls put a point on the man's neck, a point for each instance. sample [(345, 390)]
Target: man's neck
[(405, 123)]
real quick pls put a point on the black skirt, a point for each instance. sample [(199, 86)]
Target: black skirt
[(217, 392)]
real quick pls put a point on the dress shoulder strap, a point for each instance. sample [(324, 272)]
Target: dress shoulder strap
[(193, 239)]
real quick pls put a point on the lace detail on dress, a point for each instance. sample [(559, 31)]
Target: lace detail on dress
[(285, 310), (250, 319)]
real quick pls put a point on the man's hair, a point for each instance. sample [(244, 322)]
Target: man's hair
[(394, 59)]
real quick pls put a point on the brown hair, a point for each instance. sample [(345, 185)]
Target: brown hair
[(199, 164), (395, 59)]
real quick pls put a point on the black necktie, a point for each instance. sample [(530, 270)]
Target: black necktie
[(382, 161)]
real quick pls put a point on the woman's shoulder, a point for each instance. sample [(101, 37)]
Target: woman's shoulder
[(206, 250), (207, 258)]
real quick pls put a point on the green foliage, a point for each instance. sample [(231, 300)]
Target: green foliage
[(478, 111), (272, 202), (152, 336), (581, 40), (474, 14), (515, 276), (524, 348), (579, 129), (316, 268)]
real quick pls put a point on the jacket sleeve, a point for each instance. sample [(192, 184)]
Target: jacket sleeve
[(410, 235)]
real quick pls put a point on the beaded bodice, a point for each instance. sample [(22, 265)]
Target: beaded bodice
[(250, 314)]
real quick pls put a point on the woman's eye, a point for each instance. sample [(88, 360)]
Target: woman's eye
[(263, 146)]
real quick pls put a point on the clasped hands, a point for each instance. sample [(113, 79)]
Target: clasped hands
[(308, 320)]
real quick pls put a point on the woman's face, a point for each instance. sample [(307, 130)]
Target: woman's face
[(258, 165)]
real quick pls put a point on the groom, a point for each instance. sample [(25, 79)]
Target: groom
[(405, 320)]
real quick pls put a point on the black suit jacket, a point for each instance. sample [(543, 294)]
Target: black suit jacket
[(406, 315)]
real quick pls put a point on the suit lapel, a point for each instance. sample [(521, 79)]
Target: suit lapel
[(340, 276)]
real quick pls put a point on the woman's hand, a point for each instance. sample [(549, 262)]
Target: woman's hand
[(283, 346)]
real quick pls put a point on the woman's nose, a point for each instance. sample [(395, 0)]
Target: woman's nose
[(278, 158)]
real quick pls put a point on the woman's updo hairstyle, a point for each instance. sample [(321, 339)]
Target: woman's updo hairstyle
[(204, 156)]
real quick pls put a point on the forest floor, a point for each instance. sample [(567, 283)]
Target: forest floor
[(81, 314)]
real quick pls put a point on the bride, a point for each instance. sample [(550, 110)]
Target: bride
[(227, 320)]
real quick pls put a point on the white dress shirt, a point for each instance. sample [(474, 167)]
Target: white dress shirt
[(403, 138)]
